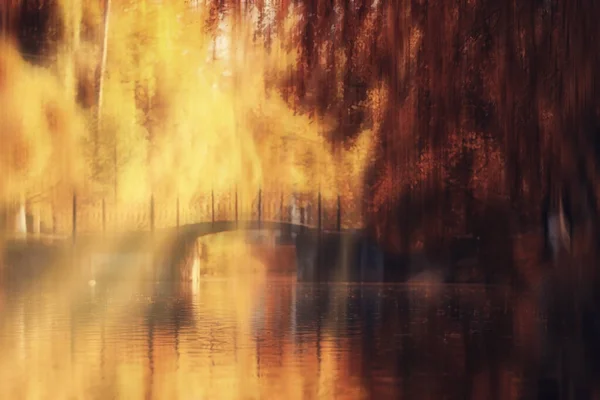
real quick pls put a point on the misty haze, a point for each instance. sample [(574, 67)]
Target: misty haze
[(311, 199)]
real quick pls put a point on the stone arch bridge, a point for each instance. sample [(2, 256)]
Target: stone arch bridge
[(300, 221), (302, 224)]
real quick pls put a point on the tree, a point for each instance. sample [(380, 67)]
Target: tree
[(41, 130)]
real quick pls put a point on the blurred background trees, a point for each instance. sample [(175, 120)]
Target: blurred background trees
[(474, 105)]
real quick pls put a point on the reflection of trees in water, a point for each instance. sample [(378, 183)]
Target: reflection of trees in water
[(573, 329), (453, 345), (464, 343), (467, 342), (399, 341)]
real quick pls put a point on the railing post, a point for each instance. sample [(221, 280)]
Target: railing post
[(74, 216), (212, 206), (236, 206), (152, 212), (177, 213), (259, 207), (319, 225), (103, 215), (281, 207), (339, 213)]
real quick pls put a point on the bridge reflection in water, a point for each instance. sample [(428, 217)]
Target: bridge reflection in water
[(251, 333)]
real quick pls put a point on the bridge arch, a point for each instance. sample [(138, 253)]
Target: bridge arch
[(210, 228), (183, 240)]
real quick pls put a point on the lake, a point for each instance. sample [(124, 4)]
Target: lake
[(253, 332)]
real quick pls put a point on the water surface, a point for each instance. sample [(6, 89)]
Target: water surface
[(255, 334)]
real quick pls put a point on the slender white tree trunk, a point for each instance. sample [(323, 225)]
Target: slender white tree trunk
[(104, 55), (20, 219), (101, 83)]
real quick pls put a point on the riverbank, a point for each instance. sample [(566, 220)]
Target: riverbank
[(30, 247)]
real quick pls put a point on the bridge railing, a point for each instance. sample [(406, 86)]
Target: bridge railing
[(93, 215)]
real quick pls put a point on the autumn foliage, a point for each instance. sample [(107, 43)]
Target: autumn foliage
[(464, 103)]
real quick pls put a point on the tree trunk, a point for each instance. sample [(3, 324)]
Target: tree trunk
[(19, 219), (101, 81)]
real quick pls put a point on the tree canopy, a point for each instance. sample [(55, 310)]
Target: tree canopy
[(440, 108)]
